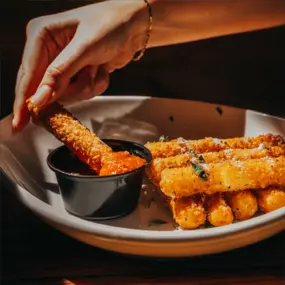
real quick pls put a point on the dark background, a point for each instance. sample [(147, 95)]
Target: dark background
[(246, 70)]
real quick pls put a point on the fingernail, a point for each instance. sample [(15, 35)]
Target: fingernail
[(15, 122), (41, 97)]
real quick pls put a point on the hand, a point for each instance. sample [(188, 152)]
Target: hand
[(68, 56)]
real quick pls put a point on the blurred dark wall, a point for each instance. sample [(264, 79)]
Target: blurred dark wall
[(246, 70)]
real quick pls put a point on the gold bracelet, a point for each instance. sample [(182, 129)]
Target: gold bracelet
[(139, 54)]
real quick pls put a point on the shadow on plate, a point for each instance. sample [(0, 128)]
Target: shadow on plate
[(11, 184)]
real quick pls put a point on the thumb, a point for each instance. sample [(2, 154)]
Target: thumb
[(58, 74)]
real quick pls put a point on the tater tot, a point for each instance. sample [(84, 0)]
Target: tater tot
[(243, 204), (219, 212), (189, 212), (270, 199)]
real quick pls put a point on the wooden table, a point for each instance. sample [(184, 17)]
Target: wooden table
[(35, 254)]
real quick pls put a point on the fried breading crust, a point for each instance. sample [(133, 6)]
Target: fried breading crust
[(188, 212), (159, 164), (243, 204), (67, 129), (270, 199), (224, 177), (244, 154), (192, 212), (219, 212), (181, 146)]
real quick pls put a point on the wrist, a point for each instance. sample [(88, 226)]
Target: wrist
[(140, 27)]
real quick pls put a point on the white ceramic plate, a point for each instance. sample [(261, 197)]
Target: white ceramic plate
[(140, 119)]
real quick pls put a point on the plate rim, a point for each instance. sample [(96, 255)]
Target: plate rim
[(115, 232)]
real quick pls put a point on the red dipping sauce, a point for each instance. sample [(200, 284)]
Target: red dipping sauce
[(120, 162)]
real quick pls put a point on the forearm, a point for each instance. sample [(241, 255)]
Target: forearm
[(179, 21)]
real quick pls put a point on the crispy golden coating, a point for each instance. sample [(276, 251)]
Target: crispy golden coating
[(219, 212), (270, 199), (181, 146), (79, 139), (223, 177), (84, 143), (192, 212), (243, 204), (188, 212), (182, 160), (184, 170)]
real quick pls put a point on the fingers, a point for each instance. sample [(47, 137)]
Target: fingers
[(58, 74), (101, 81), (76, 90), (91, 81), (21, 117), (36, 56), (34, 62), (119, 62), (96, 84), (46, 82)]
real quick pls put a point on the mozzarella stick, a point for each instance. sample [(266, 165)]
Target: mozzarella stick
[(188, 212), (159, 164), (243, 204), (181, 146), (270, 199), (223, 177), (67, 129), (219, 212), (84, 143)]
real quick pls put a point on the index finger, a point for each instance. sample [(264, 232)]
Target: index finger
[(34, 63)]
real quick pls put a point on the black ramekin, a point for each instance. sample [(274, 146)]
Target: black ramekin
[(98, 197)]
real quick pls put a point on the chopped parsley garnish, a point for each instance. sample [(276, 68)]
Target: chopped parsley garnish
[(267, 147), (199, 170), (201, 158), (163, 139)]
